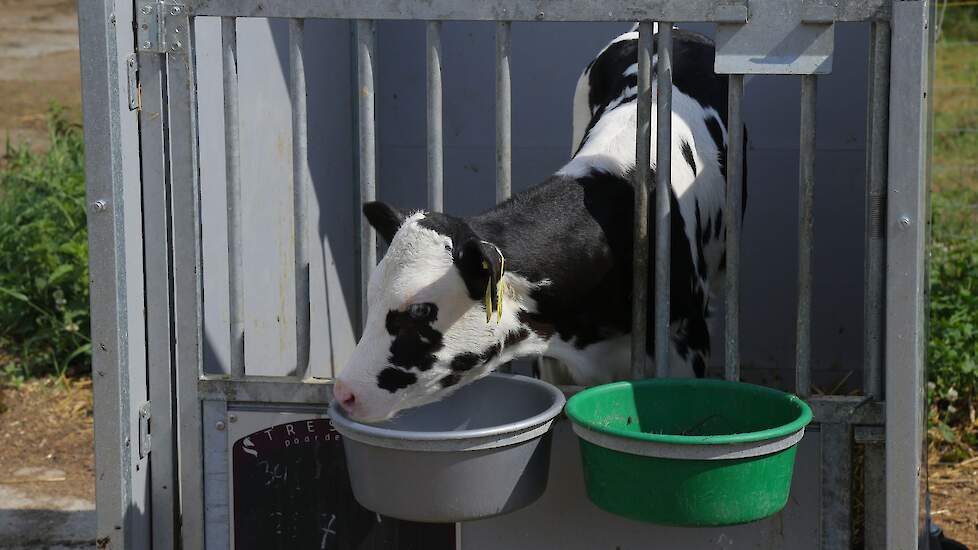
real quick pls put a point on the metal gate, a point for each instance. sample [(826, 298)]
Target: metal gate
[(169, 433)]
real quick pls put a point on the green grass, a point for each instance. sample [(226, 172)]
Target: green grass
[(44, 319), (953, 339)]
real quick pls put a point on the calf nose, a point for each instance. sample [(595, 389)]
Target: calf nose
[(344, 395)]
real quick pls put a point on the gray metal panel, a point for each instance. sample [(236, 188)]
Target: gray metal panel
[(806, 233), (564, 518), (776, 40), (159, 336), (115, 233), (300, 191), (267, 144), (905, 271)]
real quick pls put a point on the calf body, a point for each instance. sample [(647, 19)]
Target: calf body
[(548, 272)]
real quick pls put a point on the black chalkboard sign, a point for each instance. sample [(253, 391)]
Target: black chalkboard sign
[(292, 492)]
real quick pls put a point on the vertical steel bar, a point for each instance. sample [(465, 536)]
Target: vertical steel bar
[(111, 168), (159, 335), (640, 234), (663, 191), (836, 501), (504, 108), (300, 191), (187, 285), (806, 227), (436, 163), (733, 208), (366, 46), (874, 485), (906, 274), (229, 37), (879, 90)]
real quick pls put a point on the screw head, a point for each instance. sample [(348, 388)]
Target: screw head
[(147, 45), (99, 205), (219, 426), (175, 10), (176, 45), (232, 418), (176, 30), (905, 221), (147, 9)]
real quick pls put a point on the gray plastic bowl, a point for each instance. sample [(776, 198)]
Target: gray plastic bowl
[(481, 452)]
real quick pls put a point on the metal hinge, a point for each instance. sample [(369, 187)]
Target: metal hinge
[(135, 93), (144, 435), (161, 27)]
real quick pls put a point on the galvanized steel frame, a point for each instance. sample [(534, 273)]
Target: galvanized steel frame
[(170, 183)]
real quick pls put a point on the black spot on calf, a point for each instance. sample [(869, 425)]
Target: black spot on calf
[(688, 155), (393, 379), (464, 361), (415, 340)]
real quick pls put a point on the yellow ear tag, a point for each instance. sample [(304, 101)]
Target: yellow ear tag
[(489, 300), (499, 289)]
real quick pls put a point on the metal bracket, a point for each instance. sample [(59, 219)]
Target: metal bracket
[(780, 37), (144, 436), (161, 27), (135, 98)]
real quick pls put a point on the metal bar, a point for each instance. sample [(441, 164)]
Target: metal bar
[(640, 234), (514, 10), (232, 144), (504, 116), (217, 501), (806, 230), (840, 409), (874, 486), (300, 192), (266, 389), (187, 285), (836, 512), (366, 43), (906, 239), (734, 211), (663, 191), (876, 159), (159, 336), (111, 165), (436, 162)]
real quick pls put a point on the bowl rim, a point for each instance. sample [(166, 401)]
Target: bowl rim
[(802, 419), (338, 416)]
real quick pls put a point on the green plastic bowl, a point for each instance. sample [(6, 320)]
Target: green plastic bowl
[(688, 452)]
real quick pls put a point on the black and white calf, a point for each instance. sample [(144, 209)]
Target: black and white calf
[(548, 272)]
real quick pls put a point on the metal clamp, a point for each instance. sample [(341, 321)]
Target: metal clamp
[(161, 27), (144, 435)]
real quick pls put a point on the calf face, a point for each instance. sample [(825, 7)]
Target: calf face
[(427, 329)]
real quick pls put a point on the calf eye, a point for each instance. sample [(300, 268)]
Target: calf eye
[(421, 312)]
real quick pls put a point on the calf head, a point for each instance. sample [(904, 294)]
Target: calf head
[(440, 308)]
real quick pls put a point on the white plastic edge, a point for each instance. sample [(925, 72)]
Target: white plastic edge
[(447, 445), (688, 452)]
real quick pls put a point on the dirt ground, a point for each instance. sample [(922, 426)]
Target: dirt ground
[(46, 438), (38, 65), (954, 500)]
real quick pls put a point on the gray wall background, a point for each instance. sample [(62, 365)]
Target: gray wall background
[(547, 59)]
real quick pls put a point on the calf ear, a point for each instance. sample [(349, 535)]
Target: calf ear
[(384, 218), (482, 266)]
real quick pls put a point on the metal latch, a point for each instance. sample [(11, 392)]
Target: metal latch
[(161, 27), (135, 98), (144, 435)]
